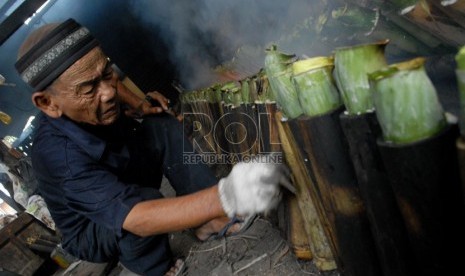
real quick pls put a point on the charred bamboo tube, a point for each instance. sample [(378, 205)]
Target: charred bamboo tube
[(203, 124), (352, 64), (245, 129), (314, 220), (296, 233), (237, 129), (246, 124), (269, 139), (386, 222), (227, 134), (251, 126), (266, 109), (407, 105), (324, 146), (216, 112), (425, 179)]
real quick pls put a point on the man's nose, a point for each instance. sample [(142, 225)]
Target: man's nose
[(107, 90)]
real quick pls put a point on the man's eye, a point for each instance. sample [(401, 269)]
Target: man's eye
[(88, 92), (108, 75)]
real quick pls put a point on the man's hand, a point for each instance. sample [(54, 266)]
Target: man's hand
[(252, 188), (153, 103)]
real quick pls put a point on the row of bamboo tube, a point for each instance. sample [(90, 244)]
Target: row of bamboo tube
[(363, 206)]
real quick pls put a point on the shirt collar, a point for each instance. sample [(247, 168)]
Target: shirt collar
[(91, 144)]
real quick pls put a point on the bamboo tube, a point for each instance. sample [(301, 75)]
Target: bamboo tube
[(269, 140), (204, 124), (266, 109), (387, 226), (426, 182), (323, 145), (224, 98), (225, 136), (296, 232), (313, 216), (216, 112)]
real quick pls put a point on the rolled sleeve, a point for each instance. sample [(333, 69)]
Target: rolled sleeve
[(93, 191)]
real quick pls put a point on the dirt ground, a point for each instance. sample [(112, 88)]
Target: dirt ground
[(260, 250)]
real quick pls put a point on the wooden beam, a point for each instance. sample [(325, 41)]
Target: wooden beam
[(17, 18), (10, 201)]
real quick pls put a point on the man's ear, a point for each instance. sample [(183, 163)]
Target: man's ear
[(45, 102)]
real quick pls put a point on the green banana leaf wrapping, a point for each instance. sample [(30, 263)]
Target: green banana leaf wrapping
[(279, 71), (460, 73), (406, 102), (245, 91), (315, 85), (352, 64), (262, 87), (231, 94)]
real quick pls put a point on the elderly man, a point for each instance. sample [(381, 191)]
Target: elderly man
[(99, 170)]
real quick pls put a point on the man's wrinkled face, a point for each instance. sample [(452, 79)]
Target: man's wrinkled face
[(86, 91)]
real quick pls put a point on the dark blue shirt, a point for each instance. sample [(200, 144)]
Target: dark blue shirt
[(78, 177)]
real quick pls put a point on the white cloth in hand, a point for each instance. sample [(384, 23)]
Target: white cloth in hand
[(252, 188)]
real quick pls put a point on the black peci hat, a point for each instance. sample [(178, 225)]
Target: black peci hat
[(54, 53)]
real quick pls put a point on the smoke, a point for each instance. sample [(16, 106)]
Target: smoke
[(203, 34)]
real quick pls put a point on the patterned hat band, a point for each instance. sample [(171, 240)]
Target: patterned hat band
[(55, 53)]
